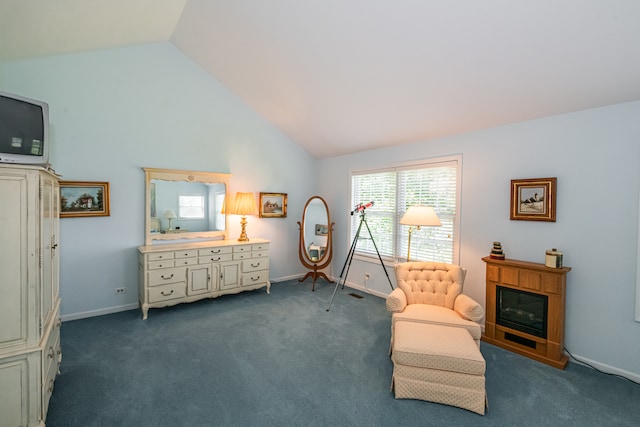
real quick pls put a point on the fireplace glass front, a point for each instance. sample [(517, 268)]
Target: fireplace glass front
[(522, 311)]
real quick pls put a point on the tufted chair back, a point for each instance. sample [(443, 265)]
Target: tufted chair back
[(434, 283)]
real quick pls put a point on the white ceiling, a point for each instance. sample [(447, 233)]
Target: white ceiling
[(340, 76)]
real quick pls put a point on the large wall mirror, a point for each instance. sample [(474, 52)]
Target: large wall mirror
[(315, 249), (184, 204)]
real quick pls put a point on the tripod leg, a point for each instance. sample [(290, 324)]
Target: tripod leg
[(347, 264), (378, 252)]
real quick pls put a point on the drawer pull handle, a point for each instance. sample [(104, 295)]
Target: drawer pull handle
[(255, 278), (166, 295), (255, 265), (50, 354), (167, 278), (215, 259)]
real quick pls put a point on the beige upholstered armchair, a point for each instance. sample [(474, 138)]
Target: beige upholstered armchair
[(431, 292)]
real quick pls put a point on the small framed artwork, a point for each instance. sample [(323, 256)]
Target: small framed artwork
[(533, 199), (322, 229), (84, 198), (273, 205)]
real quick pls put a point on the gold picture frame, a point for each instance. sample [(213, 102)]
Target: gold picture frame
[(533, 199), (84, 198), (273, 205)]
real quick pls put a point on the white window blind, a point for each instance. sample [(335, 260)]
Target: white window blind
[(433, 183), (191, 206)]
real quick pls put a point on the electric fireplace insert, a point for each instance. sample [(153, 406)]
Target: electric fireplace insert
[(522, 311)]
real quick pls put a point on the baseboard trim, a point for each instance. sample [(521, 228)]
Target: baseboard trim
[(607, 369), (133, 306), (100, 312)]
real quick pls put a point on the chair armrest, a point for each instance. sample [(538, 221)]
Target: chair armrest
[(396, 301), (468, 308)]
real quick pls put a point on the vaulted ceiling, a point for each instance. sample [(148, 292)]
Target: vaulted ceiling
[(340, 76)]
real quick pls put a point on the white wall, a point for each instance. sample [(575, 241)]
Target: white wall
[(594, 154), (115, 111)]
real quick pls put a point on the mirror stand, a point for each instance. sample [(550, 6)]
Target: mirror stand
[(316, 224)]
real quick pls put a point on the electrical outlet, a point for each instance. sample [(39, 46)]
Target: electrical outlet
[(120, 290)]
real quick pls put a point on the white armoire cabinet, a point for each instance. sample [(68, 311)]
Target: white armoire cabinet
[(30, 352)]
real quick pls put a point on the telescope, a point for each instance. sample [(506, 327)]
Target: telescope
[(360, 207)]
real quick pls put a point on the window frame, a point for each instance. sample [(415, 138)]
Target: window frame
[(180, 206), (400, 232)]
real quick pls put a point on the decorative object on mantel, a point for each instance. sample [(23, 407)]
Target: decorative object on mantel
[(419, 216), (273, 205), (533, 199), (244, 204), (553, 258), (496, 251)]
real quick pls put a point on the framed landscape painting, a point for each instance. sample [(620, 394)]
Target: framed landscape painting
[(273, 205), (84, 198), (533, 199)]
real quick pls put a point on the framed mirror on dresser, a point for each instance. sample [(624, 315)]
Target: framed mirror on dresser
[(183, 204), (187, 254)]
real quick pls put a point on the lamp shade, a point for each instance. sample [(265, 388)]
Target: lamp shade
[(169, 214), (420, 216), (244, 204)]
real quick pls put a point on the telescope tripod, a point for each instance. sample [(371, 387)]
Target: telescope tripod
[(347, 262)]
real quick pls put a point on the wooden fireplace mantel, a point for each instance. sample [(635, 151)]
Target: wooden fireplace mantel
[(535, 278)]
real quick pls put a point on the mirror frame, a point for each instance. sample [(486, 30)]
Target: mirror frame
[(305, 259), (187, 176)]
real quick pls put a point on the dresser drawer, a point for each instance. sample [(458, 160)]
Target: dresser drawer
[(159, 256), (167, 292), (50, 354), (253, 264), (241, 249), (260, 254), (241, 255), (185, 261), (168, 275), (215, 251), (254, 278), (260, 247), (214, 258), (155, 265), (188, 253)]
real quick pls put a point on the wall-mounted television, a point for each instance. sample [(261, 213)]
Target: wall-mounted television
[(24, 130)]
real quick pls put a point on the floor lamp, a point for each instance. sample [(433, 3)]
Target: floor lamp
[(419, 216)]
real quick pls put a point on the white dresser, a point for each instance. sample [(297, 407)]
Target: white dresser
[(30, 352), (186, 272)]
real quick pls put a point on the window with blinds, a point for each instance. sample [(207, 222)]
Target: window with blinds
[(433, 183), (190, 206)]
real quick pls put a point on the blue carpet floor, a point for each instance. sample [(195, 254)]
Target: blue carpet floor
[(254, 359)]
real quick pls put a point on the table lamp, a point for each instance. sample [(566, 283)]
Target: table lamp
[(244, 204), (169, 214)]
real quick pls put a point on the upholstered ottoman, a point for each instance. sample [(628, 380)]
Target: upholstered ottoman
[(438, 364)]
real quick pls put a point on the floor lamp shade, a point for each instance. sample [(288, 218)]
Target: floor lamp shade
[(419, 216)]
